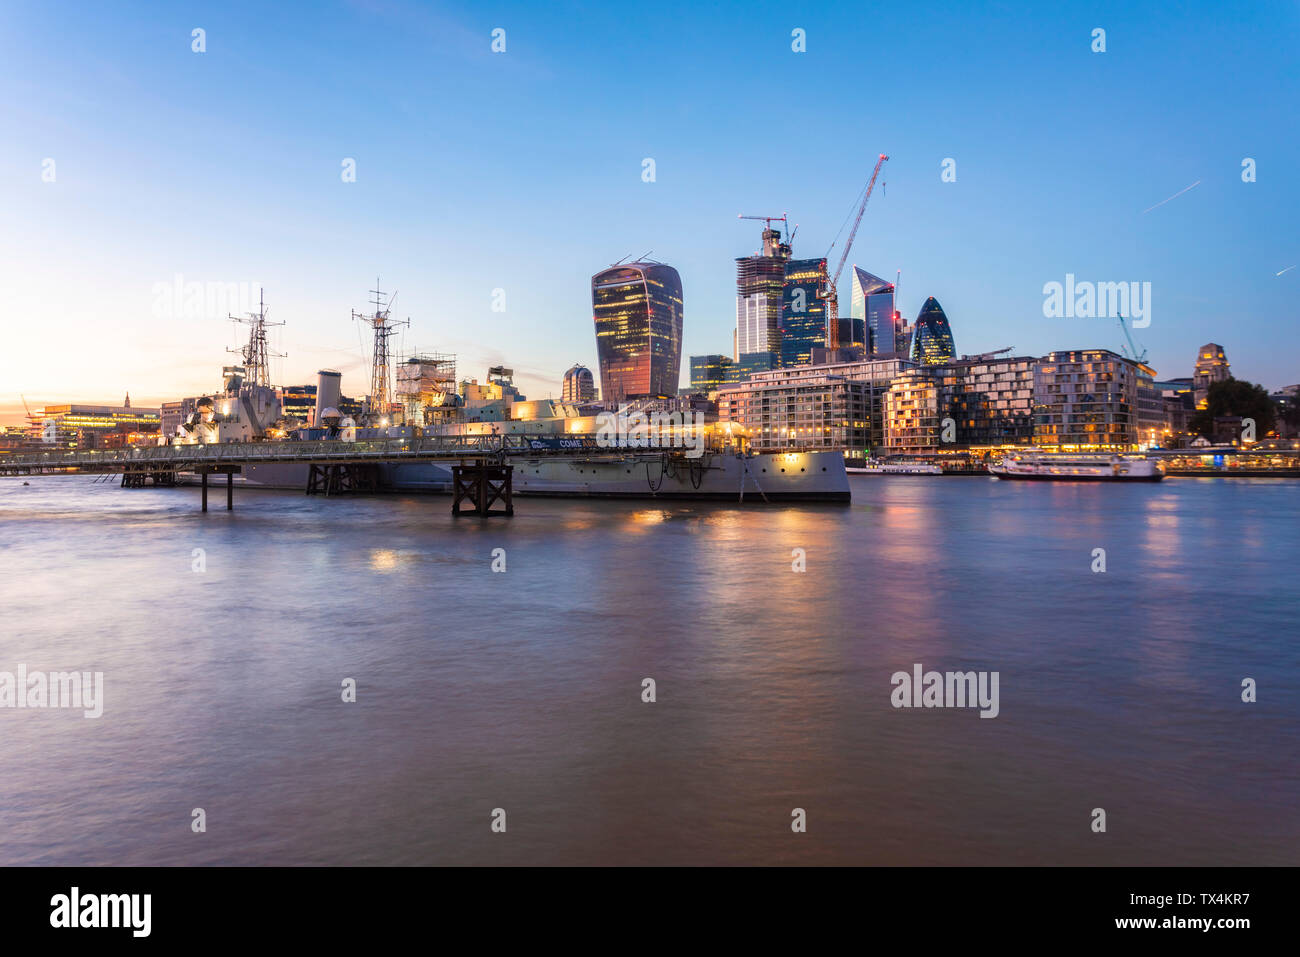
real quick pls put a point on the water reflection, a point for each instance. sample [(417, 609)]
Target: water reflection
[(523, 689)]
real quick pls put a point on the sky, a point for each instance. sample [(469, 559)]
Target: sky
[(129, 162)]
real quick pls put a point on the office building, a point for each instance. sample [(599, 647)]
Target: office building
[(637, 309), (872, 305), (579, 385), (73, 425), (710, 373), (760, 283), (803, 314), (932, 342)]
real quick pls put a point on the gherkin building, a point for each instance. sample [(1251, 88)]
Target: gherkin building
[(932, 343)]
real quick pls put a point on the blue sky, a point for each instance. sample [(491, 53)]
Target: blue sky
[(522, 171)]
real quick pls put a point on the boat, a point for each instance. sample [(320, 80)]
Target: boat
[(716, 475), (1078, 467), (876, 467), (639, 451)]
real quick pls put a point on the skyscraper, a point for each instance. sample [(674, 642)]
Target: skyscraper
[(637, 309), (932, 339), (872, 302), (803, 314), (760, 280)]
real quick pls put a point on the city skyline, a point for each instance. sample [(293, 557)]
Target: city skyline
[(206, 166)]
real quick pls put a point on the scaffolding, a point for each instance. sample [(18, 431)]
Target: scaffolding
[(425, 380)]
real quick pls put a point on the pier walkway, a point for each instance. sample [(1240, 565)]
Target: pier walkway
[(480, 462)]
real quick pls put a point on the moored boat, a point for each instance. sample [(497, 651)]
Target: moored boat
[(877, 467), (1078, 467)]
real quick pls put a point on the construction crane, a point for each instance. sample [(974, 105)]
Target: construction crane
[(772, 244), (989, 355), (1131, 351), (769, 220), (829, 292)]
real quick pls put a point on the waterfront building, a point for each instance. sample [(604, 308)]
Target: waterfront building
[(14, 438), (710, 373), (1151, 419), (75, 425), (637, 309), (837, 406), (819, 412), (1089, 399), (912, 419), (932, 342), (872, 304), (803, 314), (989, 400), (579, 385), (1211, 366)]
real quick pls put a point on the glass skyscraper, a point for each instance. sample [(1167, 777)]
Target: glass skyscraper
[(872, 303), (637, 309), (932, 339), (803, 315), (710, 373)]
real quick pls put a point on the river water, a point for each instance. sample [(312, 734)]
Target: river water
[(225, 638)]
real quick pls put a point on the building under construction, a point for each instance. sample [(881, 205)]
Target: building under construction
[(425, 381), (760, 280)]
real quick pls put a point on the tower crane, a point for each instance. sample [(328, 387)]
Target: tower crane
[(1132, 350), (772, 244), (769, 219), (829, 292)]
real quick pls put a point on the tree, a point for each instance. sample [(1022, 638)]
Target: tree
[(1235, 397)]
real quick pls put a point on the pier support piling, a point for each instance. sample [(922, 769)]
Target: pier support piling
[(204, 483), (482, 485), (337, 479)]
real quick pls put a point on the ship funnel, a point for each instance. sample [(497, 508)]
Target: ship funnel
[(329, 393)]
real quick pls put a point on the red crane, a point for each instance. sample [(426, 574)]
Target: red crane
[(829, 292)]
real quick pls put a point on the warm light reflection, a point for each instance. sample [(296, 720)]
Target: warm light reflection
[(383, 560)]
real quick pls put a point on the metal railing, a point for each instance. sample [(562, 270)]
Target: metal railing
[(181, 458)]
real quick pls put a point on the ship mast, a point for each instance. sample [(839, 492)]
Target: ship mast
[(257, 367), (379, 401)]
